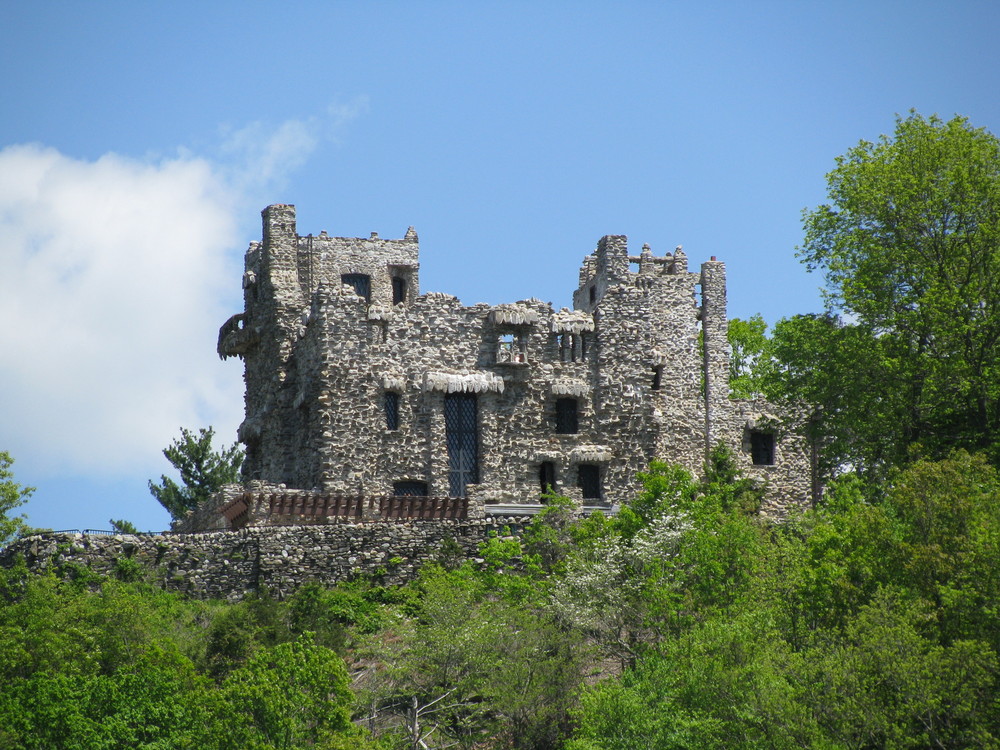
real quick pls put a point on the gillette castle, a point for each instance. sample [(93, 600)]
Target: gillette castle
[(359, 385)]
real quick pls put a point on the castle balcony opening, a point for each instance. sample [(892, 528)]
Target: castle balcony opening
[(511, 349)]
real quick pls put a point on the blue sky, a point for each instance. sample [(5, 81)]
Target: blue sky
[(139, 141)]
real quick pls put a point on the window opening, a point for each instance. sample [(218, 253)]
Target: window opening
[(398, 290), (762, 448), (461, 427), (593, 294), (392, 410), (361, 282), (657, 377), (567, 417), (547, 476), (409, 489), (584, 345), (510, 348), (588, 479), (567, 347)]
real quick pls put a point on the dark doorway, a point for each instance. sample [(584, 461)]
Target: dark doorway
[(547, 476), (588, 479)]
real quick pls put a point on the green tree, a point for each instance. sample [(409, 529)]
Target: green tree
[(12, 495), (910, 248), (749, 360), (203, 471)]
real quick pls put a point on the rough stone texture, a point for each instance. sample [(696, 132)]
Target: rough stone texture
[(320, 356), (233, 564)]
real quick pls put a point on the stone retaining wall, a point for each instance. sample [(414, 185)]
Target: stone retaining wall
[(232, 564)]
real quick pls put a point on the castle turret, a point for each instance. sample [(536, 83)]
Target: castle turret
[(715, 327)]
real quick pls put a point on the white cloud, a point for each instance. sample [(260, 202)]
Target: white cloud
[(265, 154), (115, 275)]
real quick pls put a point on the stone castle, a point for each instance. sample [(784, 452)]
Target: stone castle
[(358, 386)]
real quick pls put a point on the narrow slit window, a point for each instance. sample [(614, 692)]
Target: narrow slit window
[(567, 416), (762, 448), (567, 347), (398, 290), (588, 479), (391, 410), (657, 377), (593, 294)]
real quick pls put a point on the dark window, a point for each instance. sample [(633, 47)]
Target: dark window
[(588, 479), (409, 489), (657, 377), (398, 290), (566, 416), (584, 345), (461, 428), (547, 476), (362, 284), (392, 410), (762, 448), (593, 294)]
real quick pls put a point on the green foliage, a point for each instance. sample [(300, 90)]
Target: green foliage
[(128, 569), (118, 667), (910, 248), (202, 470), (667, 488), (121, 526), (290, 695), (12, 495), (750, 362)]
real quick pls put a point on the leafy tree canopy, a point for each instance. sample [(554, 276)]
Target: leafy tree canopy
[(203, 471), (12, 495), (908, 356)]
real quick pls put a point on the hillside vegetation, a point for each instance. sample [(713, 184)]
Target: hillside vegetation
[(686, 621)]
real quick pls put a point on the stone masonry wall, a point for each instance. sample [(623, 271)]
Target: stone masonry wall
[(335, 328), (233, 564)]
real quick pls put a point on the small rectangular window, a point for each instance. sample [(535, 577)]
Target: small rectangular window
[(398, 290), (409, 489), (588, 479), (392, 410), (762, 448), (657, 377), (567, 417), (593, 294)]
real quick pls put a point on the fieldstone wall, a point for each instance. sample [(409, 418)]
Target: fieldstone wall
[(232, 564)]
